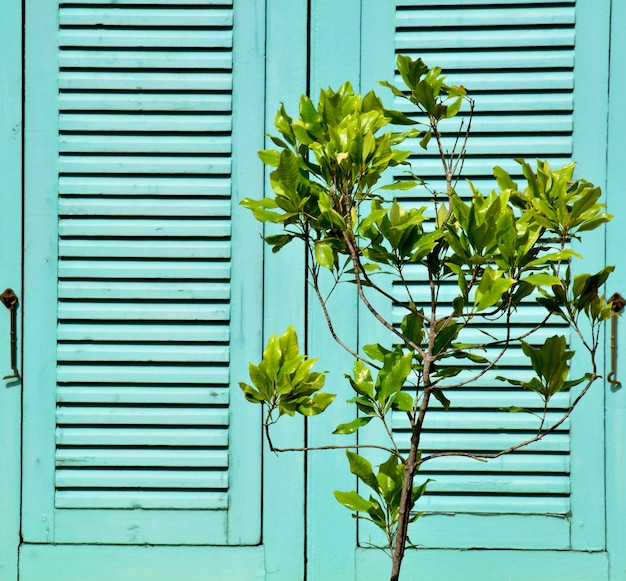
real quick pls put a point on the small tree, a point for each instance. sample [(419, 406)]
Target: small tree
[(499, 250)]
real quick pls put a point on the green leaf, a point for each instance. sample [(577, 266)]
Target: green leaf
[(401, 185), (426, 139), (324, 255), (362, 468), (269, 157), (353, 500), (402, 401), (353, 426), (441, 398)]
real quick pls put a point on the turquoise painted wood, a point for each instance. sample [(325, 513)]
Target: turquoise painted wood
[(144, 280), (616, 397), (140, 459), (550, 103), (10, 276)]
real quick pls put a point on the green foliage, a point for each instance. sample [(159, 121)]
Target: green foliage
[(283, 379), (499, 250), (383, 506)]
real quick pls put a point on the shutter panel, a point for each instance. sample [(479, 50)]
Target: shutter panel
[(145, 272), (516, 59)]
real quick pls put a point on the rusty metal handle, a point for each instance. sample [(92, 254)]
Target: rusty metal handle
[(617, 304), (9, 299)]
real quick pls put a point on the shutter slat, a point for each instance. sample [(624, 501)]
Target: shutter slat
[(486, 16), (136, 436), (148, 499), (115, 415), (495, 504), (147, 290), (144, 81), (138, 269), (196, 144), (147, 249), (142, 164), (484, 442), (481, 38), (150, 374), (136, 59), (137, 228), (144, 207), (153, 102), (144, 123), (149, 186), (481, 420), (196, 458), (81, 352), (145, 332), (147, 479), (149, 16), (138, 395), (165, 311), (139, 39)]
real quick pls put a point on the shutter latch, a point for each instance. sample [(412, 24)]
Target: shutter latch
[(9, 298), (617, 304)]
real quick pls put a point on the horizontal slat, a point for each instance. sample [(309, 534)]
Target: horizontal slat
[(499, 484), (169, 352), (163, 436), (150, 16), (135, 81), (156, 38), (121, 3), (179, 479), (137, 269), (494, 504), (510, 463), (98, 331), (506, 81), (507, 60), (124, 311), (420, 39), (507, 145), (96, 122), (151, 374), (116, 415), (154, 458), (119, 394), (145, 499), (184, 102), (463, 398), (401, 4), (143, 164), (427, 166), (485, 16), (136, 228), (485, 442), (137, 59), (144, 207), (146, 290), (512, 101), (178, 144), (147, 186), (481, 421), (514, 123), (102, 248)]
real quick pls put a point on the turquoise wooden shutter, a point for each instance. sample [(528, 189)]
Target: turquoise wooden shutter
[(527, 65), (142, 288)]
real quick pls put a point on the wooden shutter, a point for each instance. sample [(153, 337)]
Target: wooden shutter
[(516, 59), (147, 267)]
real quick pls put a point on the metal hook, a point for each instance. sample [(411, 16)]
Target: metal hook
[(617, 304), (9, 299)]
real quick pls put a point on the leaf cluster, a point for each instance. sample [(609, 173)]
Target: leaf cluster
[(383, 506), (283, 379)]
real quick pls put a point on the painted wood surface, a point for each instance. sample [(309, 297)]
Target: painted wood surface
[(11, 131), (103, 195)]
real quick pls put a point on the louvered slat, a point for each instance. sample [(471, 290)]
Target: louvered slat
[(516, 59), (144, 254)]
